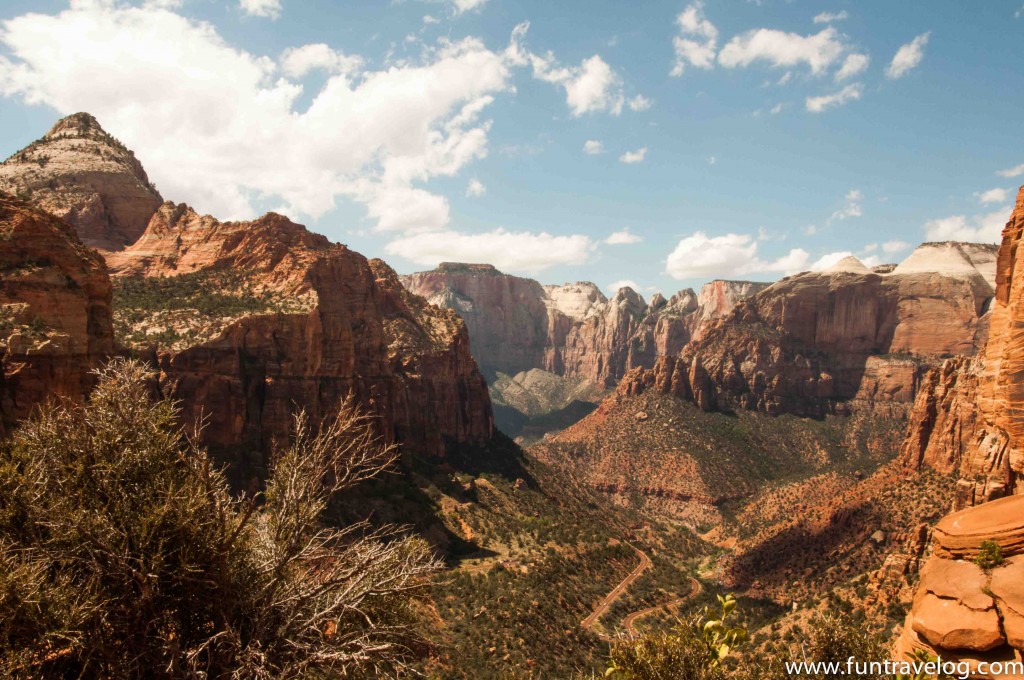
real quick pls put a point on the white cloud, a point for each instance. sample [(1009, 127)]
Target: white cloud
[(777, 109), (525, 252), (591, 86), (703, 256), (712, 160), (894, 246), (783, 50), (697, 41), (624, 237), (829, 17), (217, 117), (475, 188), (853, 65), (986, 228), (639, 103), (270, 9), (1019, 13), (852, 207), (908, 56), (1015, 171), (461, 6), (996, 195), (592, 147), (631, 157), (871, 247), (624, 283), (428, 19), (296, 62), (849, 93)]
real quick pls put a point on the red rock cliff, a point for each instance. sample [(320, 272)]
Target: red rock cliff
[(969, 418), (55, 318), (342, 325)]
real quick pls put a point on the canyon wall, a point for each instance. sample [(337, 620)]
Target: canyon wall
[(968, 420), (55, 316), (571, 330)]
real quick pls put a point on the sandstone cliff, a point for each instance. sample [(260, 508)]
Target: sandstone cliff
[(829, 341), (571, 330), (55, 319), (80, 173), (249, 321), (966, 611), (967, 420)]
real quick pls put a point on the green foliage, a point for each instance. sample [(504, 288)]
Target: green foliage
[(694, 649), (123, 554), (989, 556)]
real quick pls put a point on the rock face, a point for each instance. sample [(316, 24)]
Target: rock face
[(572, 330), (80, 173), (824, 342), (336, 324), (55, 318), (968, 417), (963, 611)]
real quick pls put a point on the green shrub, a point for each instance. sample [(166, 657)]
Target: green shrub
[(989, 556)]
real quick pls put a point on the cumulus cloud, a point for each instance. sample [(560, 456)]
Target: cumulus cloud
[(462, 6), (592, 147), (986, 228), (631, 157), (853, 65), (829, 17), (591, 86), (639, 103), (907, 57), (783, 50), (624, 237), (697, 41), (296, 62), (996, 195), (624, 283), (894, 246), (703, 256), (1015, 171), (849, 93), (475, 188), (270, 9), (852, 207), (523, 251), (214, 138)]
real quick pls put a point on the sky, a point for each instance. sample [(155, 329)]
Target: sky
[(656, 144)]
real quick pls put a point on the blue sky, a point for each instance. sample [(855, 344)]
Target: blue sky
[(763, 136)]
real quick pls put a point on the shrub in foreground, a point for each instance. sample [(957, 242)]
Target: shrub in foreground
[(123, 553)]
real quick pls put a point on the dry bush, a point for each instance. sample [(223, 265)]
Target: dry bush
[(124, 554)]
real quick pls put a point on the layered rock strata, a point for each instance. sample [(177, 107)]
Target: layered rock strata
[(55, 317), (84, 175)]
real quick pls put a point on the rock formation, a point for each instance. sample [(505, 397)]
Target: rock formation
[(55, 318), (823, 342), (80, 173), (967, 419), (967, 608), (332, 323), (571, 330)]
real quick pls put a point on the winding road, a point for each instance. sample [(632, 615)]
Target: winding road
[(615, 593)]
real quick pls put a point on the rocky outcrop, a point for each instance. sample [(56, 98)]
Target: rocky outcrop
[(823, 342), (571, 330), (965, 608), (334, 324), (967, 419), (55, 319), (82, 174)]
